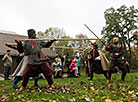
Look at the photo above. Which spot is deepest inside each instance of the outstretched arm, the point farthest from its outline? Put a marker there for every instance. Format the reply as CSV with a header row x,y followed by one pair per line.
x,y
13,47
109,47
48,44
19,46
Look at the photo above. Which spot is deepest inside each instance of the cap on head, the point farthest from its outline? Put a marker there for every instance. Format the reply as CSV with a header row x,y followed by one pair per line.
x,y
8,50
30,32
95,45
77,57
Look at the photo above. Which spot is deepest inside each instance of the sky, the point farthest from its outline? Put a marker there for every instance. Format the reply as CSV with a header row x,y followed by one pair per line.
x,y
71,15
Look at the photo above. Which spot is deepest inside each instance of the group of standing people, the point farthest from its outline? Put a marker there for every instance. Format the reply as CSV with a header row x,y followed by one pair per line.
x,y
34,62
100,64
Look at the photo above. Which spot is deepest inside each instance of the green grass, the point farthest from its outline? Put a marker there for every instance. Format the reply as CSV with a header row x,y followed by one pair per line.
x,y
76,89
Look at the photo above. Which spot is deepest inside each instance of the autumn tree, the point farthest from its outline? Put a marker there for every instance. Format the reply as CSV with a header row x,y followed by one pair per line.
x,y
121,22
52,32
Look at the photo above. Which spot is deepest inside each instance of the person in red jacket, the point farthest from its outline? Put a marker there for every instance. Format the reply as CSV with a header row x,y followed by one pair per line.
x,y
74,66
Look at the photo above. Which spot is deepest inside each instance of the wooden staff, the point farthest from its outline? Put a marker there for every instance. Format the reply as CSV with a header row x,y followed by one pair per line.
x,y
62,39
11,44
57,47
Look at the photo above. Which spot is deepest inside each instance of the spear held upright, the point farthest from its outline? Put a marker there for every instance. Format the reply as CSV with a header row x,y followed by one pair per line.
x,y
99,38
94,34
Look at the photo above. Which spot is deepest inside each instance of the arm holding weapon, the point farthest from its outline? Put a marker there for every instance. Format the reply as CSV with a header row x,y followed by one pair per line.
x,y
99,39
115,54
13,47
19,46
48,44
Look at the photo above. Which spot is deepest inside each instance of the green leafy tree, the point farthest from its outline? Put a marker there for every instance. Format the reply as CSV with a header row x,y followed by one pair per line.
x,y
134,59
52,33
135,39
121,22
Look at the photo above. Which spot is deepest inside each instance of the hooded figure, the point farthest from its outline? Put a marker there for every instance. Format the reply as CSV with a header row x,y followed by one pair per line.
x,y
31,33
36,57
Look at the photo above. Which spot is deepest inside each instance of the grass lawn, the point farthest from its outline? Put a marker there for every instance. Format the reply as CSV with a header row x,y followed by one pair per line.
x,y
75,90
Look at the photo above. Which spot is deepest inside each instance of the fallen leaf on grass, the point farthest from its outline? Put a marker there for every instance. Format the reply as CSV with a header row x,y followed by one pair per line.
x,y
102,87
43,99
54,101
103,97
137,94
133,95
92,88
123,89
50,100
88,88
46,89
123,94
118,101
131,92
63,90
23,100
72,100
62,96
87,99
128,99
4,98
108,100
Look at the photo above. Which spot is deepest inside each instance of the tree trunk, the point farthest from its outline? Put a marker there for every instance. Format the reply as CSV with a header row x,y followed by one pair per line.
x,y
130,53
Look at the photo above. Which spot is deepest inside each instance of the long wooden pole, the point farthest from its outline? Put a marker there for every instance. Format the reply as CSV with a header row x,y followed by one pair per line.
x,y
62,39
11,44
57,47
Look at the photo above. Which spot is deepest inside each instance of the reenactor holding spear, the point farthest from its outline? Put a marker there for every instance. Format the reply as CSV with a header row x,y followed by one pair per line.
x,y
115,59
35,63
116,52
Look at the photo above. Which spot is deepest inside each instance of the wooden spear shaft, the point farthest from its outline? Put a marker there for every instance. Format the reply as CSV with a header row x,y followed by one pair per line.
x,y
57,47
11,44
62,39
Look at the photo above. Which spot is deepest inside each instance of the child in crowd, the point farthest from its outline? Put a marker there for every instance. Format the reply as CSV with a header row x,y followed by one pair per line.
x,y
74,66
57,68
